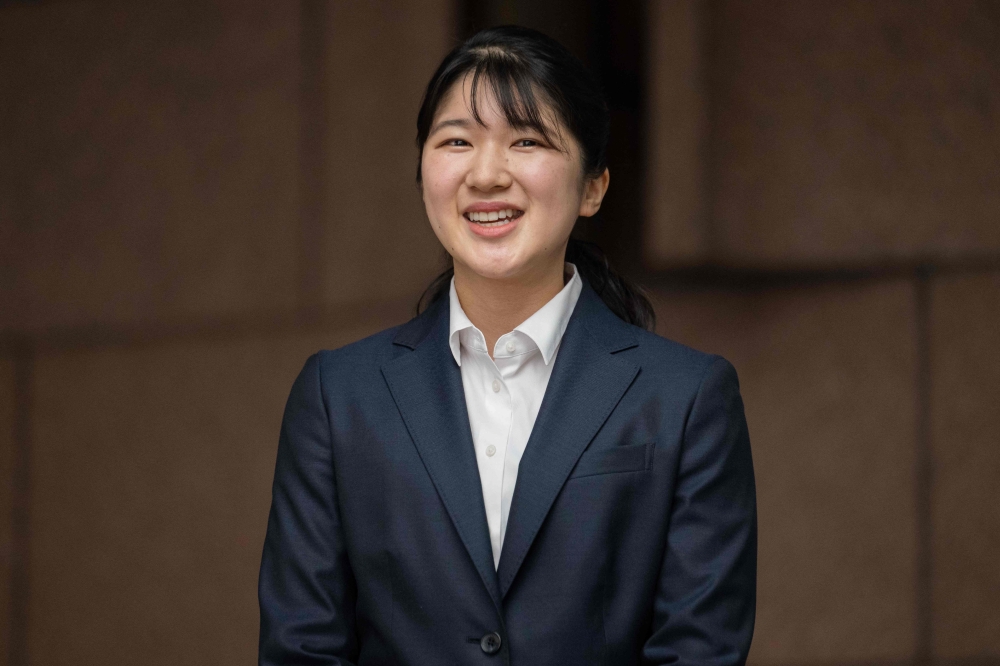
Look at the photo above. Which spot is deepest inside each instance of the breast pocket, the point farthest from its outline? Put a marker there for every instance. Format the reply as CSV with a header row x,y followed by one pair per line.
x,y
627,458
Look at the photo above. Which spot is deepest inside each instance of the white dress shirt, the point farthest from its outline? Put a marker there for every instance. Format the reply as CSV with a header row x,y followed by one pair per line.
x,y
503,393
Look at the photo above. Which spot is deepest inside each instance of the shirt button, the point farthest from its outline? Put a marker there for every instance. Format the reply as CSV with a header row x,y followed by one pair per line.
x,y
491,450
510,347
496,385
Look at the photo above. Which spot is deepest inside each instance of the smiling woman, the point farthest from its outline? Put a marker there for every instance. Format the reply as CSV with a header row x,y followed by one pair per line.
x,y
503,199
539,116
523,473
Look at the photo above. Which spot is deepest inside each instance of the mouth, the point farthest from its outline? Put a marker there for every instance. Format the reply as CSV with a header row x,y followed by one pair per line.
x,y
494,218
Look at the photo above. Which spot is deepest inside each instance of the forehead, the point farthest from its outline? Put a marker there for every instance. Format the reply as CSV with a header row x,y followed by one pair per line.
x,y
457,103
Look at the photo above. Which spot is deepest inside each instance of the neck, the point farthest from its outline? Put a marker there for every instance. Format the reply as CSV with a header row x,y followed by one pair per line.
x,y
496,307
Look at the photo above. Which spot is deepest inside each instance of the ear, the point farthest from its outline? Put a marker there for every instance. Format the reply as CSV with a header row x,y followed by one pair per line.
x,y
593,193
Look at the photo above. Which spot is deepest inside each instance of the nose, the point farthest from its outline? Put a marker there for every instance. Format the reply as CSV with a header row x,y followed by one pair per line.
x,y
488,170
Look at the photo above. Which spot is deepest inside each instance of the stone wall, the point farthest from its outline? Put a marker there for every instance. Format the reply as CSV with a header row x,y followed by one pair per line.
x,y
823,208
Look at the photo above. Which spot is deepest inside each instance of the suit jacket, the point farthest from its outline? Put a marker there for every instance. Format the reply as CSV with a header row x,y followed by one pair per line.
x,y
632,530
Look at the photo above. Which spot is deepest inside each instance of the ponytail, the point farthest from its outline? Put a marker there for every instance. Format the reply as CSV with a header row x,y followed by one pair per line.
x,y
622,296
437,289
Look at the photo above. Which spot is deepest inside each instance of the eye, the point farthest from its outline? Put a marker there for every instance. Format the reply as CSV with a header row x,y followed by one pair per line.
x,y
526,143
455,142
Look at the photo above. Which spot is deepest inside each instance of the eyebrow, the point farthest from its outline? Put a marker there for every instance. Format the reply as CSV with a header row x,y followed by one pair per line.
x,y
452,122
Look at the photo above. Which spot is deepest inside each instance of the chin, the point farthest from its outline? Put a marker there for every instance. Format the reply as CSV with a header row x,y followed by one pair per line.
x,y
494,272
495,268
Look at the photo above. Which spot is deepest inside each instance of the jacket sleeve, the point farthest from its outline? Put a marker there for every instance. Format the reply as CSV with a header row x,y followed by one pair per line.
x,y
705,601
306,589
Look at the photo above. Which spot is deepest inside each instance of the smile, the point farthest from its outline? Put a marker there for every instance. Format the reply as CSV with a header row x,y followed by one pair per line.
x,y
496,218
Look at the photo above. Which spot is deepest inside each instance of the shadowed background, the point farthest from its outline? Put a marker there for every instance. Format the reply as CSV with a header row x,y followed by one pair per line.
x,y
195,196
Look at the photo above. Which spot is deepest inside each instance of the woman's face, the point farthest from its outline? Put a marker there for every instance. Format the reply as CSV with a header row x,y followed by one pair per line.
x,y
502,200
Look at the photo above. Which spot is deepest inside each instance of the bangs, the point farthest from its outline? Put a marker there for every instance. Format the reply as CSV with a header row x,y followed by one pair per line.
x,y
515,89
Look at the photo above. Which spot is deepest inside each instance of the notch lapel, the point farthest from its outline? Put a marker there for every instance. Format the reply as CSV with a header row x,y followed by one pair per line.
x,y
426,385
587,383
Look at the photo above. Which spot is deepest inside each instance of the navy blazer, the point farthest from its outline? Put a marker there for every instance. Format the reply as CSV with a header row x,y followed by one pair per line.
x,y
632,530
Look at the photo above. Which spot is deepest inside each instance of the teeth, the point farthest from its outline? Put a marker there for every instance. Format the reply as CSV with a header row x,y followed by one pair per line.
x,y
494,216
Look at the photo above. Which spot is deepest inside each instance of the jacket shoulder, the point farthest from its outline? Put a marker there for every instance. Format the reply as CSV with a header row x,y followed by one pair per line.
x,y
658,346
658,352
368,353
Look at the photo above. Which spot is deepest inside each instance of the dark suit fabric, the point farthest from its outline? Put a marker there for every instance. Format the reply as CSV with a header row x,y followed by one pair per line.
x,y
632,530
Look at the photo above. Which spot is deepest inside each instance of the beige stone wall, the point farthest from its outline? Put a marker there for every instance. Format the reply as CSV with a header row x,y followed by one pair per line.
x,y
832,171
378,241
965,372
823,134
828,380
677,135
151,487
7,462
853,131
150,162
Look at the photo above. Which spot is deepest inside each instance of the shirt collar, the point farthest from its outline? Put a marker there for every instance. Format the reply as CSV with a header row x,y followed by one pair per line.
x,y
545,327
459,322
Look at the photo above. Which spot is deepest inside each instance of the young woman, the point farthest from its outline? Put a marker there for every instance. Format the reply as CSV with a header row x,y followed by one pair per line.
x,y
522,474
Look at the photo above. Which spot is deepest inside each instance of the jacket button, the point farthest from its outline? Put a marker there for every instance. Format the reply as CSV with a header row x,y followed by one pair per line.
x,y
490,643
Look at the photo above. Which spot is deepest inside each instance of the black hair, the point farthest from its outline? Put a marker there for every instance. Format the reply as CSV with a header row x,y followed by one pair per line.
x,y
519,65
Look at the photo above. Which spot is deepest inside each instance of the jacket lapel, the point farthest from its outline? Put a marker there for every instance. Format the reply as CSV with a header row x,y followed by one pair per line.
x,y
587,383
426,385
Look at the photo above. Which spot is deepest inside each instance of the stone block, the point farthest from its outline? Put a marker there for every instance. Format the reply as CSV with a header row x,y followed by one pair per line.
x,y
152,473
827,375
675,230
378,242
6,501
150,161
852,132
965,426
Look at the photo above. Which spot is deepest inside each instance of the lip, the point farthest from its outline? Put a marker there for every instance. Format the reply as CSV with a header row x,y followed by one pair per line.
x,y
490,207
493,232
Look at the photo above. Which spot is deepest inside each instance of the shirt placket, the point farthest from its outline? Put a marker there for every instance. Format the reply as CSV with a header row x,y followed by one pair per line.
x,y
493,447
507,361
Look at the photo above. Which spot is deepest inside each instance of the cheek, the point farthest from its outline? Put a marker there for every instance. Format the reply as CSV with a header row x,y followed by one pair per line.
x,y
441,181
554,187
